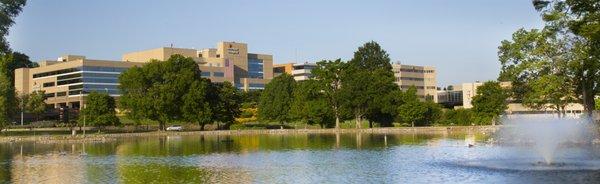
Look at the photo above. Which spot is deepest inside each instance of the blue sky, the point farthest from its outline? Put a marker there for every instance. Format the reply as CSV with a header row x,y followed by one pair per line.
x,y
459,37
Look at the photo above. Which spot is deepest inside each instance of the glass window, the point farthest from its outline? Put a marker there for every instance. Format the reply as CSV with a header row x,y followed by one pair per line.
x,y
61,94
219,74
48,84
205,74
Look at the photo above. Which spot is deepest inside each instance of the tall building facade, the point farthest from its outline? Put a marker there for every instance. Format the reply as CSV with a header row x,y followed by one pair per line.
x,y
300,71
421,77
230,61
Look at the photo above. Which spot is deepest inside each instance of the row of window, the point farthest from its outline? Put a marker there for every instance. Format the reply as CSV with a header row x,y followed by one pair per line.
x,y
418,87
409,78
84,68
215,74
414,70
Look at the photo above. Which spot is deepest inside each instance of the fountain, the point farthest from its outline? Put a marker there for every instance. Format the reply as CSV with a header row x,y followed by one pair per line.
x,y
542,142
546,136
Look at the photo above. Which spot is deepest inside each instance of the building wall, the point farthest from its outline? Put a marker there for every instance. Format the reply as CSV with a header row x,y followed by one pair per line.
x,y
279,69
303,71
243,65
422,77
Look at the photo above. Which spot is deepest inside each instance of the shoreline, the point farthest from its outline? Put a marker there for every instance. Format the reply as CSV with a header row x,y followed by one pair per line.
x,y
94,137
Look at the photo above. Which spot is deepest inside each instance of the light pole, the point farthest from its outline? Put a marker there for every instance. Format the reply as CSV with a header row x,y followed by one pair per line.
x,y
22,109
81,108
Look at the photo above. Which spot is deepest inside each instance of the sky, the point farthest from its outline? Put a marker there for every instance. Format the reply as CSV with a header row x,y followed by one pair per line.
x,y
458,37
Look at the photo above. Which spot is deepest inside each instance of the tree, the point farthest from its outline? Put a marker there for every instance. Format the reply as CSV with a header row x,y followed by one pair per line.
x,y
7,93
537,64
489,101
227,102
276,99
411,110
197,107
155,91
99,110
368,78
9,9
35,103
577,22
328,75
309,104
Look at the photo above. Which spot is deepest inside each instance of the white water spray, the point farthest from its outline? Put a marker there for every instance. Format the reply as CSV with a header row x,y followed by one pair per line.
x,y
546,135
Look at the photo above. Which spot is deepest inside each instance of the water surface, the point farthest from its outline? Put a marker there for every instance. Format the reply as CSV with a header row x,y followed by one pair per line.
x,y
295,158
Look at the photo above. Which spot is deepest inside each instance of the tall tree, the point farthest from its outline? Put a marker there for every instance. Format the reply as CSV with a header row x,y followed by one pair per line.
x,y
155,91
309,104
226,100
328,75
579,21
367,78
196,104
412,110
36,104
489,101
99,110
9,9
276,99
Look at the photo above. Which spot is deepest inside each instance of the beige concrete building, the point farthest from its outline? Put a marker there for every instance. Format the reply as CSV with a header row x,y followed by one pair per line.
x,y
230,61
68,78
422,77
461,96
279,69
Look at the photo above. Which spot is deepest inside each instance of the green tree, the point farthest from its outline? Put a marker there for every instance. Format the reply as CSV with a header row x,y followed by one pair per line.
x,y
309,104
489,102
328,75
412,110
227,100
99,110
276,99
577,22
197,106
36,104
368,78
537,64
9,9
155,91
6,100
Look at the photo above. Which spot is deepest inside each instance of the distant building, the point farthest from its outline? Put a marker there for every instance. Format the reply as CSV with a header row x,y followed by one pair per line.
x,y
422,77
303,71
279,69
461,96
67,80
230,61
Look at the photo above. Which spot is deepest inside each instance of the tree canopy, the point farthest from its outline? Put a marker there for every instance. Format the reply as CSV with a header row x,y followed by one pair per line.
x,y
276,99
490,101
99,110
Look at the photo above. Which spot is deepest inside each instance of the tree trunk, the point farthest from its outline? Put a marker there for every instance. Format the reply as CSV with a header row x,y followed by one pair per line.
x,y
337,122
202,127
412,123
588,102
358,121
161,126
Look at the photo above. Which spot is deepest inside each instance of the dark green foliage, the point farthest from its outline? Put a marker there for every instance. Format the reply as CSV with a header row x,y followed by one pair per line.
x,y
458,117
99,110
197,106
490,101
310,106
276,99
226,103
35,103
9,9
155,91
366,82
328,75
251,98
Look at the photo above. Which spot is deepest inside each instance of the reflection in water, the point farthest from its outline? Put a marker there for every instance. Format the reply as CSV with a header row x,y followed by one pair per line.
x,y
296,158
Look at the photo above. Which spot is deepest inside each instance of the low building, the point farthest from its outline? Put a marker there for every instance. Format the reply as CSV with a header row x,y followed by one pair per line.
x,y
279,69
421,77
66,80
303,71
461,96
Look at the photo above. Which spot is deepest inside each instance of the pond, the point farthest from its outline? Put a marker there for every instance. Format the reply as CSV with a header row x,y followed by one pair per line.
x,y
291,158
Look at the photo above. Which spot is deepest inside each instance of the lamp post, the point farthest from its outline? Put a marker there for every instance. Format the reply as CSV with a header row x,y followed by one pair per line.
x,y
81,108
